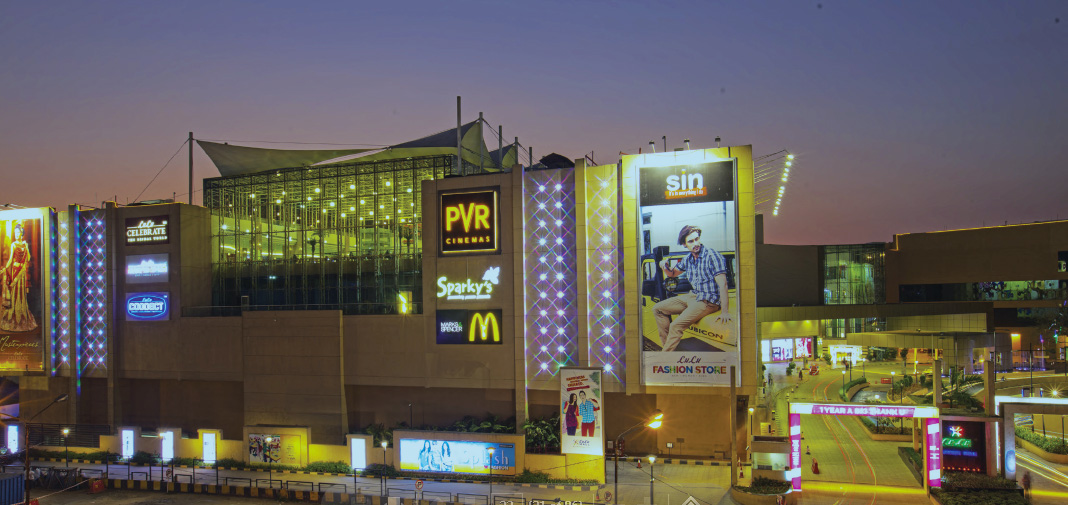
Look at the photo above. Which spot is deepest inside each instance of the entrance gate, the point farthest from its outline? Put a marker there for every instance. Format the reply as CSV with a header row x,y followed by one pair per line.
x,y
932,431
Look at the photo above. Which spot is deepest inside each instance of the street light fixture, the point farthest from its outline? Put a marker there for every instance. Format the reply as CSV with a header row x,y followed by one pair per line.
x,y
749,450
654,421
26,428
652,461
384,445
66,448
490,450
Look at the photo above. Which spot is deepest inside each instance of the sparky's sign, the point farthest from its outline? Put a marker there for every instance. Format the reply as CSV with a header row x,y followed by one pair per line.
x,y
469,222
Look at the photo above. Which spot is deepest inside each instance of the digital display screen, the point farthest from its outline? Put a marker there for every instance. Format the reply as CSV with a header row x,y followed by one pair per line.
x,y
456,456
469,222
146,268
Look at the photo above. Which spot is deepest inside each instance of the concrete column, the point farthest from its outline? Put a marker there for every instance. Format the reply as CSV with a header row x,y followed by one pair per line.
x,y
989,389
937,380
968,358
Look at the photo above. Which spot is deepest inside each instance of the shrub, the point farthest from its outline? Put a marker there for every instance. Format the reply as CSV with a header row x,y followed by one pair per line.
x,y
915,457
844,389
379,470
1050,445
988,497
329,467
969,480
185,462
230,463
764,485
143,458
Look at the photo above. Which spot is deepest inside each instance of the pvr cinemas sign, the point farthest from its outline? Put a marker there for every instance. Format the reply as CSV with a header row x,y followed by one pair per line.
x,y
469,222
469,326
147,230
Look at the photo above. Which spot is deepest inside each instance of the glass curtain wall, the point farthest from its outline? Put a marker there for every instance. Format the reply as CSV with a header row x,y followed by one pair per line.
x,y
345,236
854,274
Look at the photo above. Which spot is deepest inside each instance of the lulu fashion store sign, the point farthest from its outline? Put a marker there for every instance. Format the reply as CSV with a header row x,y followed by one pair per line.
x,y
148,230
468,222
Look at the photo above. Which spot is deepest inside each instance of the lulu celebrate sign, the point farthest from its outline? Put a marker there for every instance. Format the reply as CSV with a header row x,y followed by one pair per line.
x,y
581,426
688,242
21,293
469,222
147,230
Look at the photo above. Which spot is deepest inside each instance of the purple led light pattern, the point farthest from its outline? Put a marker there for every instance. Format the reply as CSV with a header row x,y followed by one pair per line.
x,y
91,336
603,273
61,296
549,257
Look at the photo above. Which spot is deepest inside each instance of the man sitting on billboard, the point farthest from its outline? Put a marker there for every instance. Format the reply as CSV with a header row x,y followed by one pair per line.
x,y
706,270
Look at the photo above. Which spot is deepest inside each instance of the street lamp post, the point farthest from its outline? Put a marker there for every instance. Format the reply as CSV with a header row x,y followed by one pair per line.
x,y
26,457
749,450
66,448
384,445
411,417
652,461
270,461
843,378
654,421
893,389
490,450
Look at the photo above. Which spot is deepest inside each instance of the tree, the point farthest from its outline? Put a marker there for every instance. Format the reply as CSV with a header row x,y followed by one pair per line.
x,y
904,353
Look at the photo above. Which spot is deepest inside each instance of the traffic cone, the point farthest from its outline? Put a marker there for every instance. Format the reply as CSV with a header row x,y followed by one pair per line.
x,y
597,497
815,466
639,463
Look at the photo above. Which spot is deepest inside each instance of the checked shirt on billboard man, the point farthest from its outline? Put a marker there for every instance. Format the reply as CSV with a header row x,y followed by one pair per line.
x,y
689,309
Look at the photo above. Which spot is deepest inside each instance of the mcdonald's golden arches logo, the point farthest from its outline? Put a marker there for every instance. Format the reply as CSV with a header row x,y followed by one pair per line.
x,y
484,326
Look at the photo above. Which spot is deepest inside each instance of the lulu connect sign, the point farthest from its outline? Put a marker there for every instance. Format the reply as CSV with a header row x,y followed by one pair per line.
x,y
468,222
469,327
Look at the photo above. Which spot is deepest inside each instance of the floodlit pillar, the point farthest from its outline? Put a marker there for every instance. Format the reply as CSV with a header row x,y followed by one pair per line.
x,y
937,381
989,388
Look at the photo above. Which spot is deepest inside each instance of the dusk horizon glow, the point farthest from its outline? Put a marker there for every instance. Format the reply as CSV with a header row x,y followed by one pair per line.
x,y
905,117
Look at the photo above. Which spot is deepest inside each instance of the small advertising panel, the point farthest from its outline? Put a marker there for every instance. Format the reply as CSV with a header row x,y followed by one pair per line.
x,y
21,293
688,241
469,222
1062,261
469,327
804,347
12,438
209,442
964,446
280,449
357,453
166,445
148,230
147,268
581,429
155,306
934,452
456,456
127,441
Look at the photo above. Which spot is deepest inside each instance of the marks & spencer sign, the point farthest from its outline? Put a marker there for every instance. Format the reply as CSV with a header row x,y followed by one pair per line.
x,y
147,230
468,222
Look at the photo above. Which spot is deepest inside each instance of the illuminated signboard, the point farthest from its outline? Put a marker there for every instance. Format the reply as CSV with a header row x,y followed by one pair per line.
x,y
127,444
167,445
209,444
357,453
468,289
964,446
469,326
147,230
24,251
1062,261
687,246
148,306
469,222
12,438
456,456
146,268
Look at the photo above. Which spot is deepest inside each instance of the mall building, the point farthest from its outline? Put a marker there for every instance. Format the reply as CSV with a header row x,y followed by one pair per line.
x,y
427,282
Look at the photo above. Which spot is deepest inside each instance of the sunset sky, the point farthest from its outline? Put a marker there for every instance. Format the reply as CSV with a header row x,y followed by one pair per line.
x,y
904,116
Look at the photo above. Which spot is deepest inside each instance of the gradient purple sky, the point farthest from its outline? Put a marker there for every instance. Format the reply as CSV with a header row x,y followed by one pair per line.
x,y
904,116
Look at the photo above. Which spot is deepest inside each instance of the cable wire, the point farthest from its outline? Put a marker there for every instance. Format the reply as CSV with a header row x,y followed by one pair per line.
x,y
161,170
289,142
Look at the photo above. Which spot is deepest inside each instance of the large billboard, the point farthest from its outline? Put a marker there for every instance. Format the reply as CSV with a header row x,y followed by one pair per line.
x,y
21,291
456,456
688,240
581,414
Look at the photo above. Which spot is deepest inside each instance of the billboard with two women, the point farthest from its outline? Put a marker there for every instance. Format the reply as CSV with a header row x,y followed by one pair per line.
x,y
456,456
